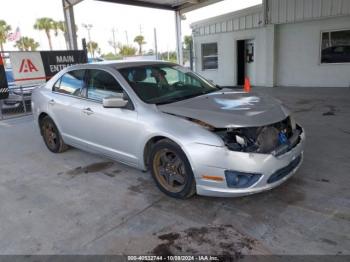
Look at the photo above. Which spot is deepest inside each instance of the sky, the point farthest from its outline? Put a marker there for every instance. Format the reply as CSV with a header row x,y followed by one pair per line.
x,y
127,21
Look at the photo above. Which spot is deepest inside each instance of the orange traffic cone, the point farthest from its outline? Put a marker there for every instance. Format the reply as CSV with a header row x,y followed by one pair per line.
x,y
246,84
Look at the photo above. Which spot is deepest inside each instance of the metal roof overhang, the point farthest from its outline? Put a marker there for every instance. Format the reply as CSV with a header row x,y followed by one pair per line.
x,y
178,6
174,5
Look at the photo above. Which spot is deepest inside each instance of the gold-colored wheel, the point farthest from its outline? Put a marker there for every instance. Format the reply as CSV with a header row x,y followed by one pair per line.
x,y
169,170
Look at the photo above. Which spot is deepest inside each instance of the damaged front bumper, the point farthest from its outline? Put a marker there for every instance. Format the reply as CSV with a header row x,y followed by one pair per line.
x,y
273,169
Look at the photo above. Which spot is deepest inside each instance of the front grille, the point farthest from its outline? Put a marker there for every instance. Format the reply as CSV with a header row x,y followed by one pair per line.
x,y
281,173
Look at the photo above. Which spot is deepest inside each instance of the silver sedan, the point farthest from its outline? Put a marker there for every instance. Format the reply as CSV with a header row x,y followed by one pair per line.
x,y
193,136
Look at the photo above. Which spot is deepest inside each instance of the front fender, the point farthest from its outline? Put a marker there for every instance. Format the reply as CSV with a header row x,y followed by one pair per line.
x,y
183,132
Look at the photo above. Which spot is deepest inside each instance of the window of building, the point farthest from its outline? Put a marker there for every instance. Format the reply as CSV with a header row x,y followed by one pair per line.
x,y
210,56
71,83
101,84
335,47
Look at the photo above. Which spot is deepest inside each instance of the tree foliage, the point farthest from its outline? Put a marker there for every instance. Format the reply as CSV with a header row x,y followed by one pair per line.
x,y
26,44
168,56
4,31
111,56
140,40
92,48
45,24
127,50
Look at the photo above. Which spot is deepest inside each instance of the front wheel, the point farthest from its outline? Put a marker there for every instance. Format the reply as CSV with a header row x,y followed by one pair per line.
x,y
171,170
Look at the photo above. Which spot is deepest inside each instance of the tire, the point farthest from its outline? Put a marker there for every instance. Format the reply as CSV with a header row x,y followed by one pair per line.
x,y
52,137
171,170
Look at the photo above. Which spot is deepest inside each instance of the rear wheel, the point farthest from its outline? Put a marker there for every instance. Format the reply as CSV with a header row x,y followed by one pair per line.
x,y
52,136
171,170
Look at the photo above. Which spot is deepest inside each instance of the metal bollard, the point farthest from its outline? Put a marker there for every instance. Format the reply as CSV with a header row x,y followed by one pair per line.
x,y
23,101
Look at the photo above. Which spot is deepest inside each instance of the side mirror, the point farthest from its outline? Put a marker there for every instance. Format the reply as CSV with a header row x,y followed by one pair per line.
x,y
114,102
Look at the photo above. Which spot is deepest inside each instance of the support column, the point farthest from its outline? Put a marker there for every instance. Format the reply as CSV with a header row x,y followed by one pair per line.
x,y
271,53
178,38
70,25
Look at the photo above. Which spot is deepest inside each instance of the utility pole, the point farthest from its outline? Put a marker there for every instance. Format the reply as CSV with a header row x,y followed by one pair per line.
x,y
155,43
167,47
114,42
88,27
127,38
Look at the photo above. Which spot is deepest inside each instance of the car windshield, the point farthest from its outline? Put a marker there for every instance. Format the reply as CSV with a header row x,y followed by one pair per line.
x,y
164,84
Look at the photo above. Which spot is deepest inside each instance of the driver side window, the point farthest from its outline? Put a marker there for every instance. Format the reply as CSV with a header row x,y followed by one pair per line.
x,y
101,84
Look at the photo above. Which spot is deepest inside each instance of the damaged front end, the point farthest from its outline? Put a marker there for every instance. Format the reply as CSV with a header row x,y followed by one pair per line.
x,y
275,139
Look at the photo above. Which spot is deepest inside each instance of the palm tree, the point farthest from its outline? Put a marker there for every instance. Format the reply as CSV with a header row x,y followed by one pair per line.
x,y
140,40
46,24
4,30
61,26
26,44
92,48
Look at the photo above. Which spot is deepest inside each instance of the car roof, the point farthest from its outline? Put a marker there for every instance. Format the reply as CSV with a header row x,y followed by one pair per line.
x,y
119,64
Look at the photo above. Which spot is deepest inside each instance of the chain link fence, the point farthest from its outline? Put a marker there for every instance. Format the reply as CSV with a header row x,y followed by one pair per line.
x,y
19,101
17,104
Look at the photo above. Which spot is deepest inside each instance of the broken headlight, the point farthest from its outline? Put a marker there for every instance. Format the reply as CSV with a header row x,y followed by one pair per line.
x,y
292,122
262,139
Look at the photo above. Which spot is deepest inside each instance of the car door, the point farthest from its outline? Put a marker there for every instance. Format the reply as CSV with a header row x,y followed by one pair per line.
x,y
110,131
64,108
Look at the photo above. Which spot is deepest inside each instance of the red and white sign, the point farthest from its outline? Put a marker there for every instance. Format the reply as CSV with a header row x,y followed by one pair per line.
x,y
27,68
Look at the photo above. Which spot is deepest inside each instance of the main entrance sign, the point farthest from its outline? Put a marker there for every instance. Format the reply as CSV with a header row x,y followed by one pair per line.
x,y
30,68
55,61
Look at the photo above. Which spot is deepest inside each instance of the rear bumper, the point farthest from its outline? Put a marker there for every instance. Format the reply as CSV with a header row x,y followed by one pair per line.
x,y
213,161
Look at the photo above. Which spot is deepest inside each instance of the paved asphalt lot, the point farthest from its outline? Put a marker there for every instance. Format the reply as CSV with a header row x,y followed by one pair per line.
x,y
79,203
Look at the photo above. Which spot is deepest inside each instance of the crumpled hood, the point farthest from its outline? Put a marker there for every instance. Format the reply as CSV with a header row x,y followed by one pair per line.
x,y
228,108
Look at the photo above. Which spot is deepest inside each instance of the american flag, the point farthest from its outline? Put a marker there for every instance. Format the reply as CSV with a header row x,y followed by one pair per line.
x,y
15,36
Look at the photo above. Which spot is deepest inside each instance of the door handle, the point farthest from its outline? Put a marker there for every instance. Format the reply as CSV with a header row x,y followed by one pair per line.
x,y
52,102
88,111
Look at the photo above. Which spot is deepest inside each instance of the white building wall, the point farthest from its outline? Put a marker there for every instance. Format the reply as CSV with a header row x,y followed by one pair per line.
x,y
287,49
298,55
226,74
225,30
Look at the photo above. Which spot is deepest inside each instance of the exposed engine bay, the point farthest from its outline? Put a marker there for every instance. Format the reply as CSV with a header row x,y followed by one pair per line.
x,y
276,138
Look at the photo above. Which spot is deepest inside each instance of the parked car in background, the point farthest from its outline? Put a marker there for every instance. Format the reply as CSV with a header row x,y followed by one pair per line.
x,y
95,59
17,94
192,135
